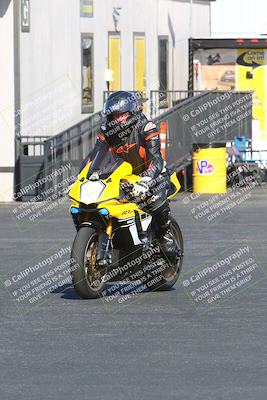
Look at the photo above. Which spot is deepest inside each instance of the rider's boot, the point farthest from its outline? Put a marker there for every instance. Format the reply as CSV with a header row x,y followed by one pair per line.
x,y
165,236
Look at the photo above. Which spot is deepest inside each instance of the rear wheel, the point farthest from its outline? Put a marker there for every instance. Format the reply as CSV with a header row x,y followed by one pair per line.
x,y
88,279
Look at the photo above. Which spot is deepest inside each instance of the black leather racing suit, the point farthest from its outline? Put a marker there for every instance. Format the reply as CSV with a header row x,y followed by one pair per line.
x,y
141,148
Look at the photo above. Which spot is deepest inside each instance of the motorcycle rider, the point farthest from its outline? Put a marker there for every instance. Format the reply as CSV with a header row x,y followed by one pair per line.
x,y
128,134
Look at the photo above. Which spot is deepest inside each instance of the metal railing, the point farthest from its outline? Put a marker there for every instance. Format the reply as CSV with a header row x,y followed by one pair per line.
x,y
181,136
32,145
71,146
161,101
141,96
30,167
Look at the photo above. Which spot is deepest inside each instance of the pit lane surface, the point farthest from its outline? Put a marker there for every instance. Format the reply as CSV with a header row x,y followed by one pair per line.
x,y
159,346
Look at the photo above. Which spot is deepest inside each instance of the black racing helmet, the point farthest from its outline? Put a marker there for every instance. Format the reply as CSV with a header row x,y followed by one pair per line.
x,y
121,102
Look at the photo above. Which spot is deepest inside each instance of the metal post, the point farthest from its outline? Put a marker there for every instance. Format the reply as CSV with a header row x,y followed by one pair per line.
x,y
191,19
191,68
17,118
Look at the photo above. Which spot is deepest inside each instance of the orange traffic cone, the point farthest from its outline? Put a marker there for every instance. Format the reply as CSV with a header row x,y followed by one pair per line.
x,y
163,138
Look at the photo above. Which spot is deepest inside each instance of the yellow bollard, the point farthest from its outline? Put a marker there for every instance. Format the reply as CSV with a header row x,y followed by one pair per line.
x,y
209,168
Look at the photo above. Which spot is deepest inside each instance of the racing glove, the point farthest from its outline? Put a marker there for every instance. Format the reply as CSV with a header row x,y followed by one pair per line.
x,y
142,187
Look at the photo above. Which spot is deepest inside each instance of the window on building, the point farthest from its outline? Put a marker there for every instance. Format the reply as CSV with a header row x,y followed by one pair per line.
x,y
163,70
114,61
87,8
87,73
139,62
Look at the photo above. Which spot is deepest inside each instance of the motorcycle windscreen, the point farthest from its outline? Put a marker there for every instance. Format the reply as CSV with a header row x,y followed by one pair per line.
x,y
104,164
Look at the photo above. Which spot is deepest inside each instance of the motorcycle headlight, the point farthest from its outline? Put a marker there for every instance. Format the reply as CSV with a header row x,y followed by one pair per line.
x,y
91,191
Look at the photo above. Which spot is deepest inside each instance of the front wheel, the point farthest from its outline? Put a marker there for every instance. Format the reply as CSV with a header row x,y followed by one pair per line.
x,y
88,279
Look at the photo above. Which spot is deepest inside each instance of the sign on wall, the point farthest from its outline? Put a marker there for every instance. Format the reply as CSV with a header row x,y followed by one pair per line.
x,y
87,8
25,15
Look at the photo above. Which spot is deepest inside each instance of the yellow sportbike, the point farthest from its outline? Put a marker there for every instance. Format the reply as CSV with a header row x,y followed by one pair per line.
x,y
116,240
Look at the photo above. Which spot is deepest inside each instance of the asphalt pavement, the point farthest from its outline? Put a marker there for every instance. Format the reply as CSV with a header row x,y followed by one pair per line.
x,y
154,346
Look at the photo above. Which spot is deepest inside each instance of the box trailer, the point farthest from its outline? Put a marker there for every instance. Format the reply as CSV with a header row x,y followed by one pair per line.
x,y
237,65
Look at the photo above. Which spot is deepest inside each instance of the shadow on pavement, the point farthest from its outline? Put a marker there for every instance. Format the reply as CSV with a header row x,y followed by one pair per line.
x,y
68,292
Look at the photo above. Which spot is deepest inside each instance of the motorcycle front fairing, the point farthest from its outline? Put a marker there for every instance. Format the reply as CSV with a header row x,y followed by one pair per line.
x,y
99,184
100,180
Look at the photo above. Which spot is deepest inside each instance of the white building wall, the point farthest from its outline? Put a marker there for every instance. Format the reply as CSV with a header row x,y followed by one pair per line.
x,y
6,100
50,67
51,54
136,16
50,59
180,16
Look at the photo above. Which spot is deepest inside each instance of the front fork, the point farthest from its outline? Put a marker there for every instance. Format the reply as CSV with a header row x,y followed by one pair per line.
x,y
104,246
104,240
